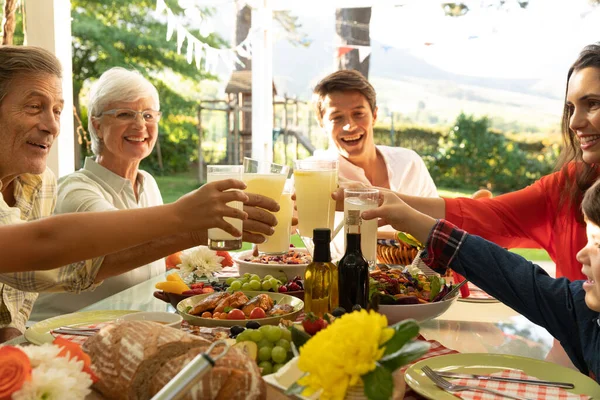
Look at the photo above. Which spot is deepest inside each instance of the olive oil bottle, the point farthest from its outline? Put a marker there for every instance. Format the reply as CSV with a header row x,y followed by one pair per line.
x,y
320,277
353,269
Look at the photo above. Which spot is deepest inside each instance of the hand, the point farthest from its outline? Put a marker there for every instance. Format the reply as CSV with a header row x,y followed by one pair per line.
x,y
9,333
401,217
205,208
338,195
260,222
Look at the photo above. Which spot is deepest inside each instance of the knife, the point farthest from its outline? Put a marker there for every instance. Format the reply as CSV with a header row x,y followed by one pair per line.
x,y
501,379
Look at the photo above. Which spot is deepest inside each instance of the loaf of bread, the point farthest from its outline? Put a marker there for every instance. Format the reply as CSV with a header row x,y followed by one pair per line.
x,y
128,356
234,377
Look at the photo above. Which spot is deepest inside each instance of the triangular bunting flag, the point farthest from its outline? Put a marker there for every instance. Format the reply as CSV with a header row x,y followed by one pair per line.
x,y
160,6
343,50
363,52
190,49
170,24
181,34
198,48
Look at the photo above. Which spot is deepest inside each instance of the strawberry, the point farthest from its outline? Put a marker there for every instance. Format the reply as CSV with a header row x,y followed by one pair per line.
x,y
313,324
227,261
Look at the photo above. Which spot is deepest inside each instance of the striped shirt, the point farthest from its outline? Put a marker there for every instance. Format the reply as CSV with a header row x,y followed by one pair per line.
x,y
35,197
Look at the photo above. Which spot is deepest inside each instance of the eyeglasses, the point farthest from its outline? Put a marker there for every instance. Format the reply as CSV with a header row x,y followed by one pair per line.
x,y
128,115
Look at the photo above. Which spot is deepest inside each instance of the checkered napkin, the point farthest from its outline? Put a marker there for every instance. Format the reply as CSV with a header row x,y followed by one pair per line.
x,y
515,389
436,349
475,293
79,339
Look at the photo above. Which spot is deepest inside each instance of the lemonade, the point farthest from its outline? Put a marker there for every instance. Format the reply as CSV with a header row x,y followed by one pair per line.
x,y
279,242
316,208
218,239
268,185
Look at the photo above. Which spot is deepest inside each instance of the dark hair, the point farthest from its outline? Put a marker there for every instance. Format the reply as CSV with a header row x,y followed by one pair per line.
x,y
343,81
591,203
16,60
585,174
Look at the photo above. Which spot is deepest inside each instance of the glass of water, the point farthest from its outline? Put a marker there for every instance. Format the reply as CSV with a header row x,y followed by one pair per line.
x,y
218,239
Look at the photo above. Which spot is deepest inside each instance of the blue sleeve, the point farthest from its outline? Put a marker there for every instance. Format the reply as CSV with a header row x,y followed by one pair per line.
x,y
555,304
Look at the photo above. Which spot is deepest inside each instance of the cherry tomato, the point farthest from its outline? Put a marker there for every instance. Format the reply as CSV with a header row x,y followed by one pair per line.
x,y
236,314
257,313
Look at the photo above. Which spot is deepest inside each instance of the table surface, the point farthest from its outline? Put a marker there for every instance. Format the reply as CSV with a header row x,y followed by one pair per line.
x,y
465,327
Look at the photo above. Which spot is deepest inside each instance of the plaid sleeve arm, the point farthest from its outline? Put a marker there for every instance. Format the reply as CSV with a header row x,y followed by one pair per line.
x,y
442,245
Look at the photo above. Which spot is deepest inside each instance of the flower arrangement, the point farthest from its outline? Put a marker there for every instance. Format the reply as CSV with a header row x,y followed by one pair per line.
x,y
357,349
60,370
199,262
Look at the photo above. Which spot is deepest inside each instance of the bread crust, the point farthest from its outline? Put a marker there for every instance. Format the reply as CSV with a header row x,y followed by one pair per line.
x,y
128,358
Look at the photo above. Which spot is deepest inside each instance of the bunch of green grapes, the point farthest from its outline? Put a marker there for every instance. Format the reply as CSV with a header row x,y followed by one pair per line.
x,y
254,282
274,346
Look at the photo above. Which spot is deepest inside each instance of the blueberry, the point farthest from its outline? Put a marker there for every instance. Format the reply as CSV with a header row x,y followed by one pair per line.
x,y
338,312
236,330
252,325
356,307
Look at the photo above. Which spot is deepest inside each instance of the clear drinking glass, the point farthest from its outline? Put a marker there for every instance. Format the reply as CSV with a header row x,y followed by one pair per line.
x,y
279,241
364,199
218,239
315,180
265,178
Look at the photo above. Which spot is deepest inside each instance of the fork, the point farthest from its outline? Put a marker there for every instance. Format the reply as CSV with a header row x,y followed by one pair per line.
x,y
450,387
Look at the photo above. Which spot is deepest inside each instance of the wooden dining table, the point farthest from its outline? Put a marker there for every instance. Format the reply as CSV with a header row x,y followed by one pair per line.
x,y
467,327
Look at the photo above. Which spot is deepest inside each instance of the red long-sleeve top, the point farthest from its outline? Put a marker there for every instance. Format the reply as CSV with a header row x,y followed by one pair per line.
x,y
533,217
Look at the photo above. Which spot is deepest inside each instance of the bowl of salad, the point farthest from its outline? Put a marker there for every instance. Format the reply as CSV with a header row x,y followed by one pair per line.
x,y
403,293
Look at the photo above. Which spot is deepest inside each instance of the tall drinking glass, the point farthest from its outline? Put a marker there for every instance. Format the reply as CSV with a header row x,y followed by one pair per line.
x,y
315,180
363,199
279,242
218,239
265,178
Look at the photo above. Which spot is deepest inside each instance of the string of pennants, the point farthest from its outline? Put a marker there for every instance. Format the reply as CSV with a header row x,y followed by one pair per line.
x,y
199,52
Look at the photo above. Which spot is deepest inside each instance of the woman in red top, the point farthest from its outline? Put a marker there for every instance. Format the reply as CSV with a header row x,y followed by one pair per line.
x,y
546,214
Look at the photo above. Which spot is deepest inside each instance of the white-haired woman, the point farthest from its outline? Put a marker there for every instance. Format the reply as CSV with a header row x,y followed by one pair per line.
x,y
123,110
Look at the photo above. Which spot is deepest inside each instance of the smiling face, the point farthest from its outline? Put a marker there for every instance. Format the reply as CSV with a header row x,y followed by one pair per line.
x,y
126,143
583,101
348,119
29,123
589,257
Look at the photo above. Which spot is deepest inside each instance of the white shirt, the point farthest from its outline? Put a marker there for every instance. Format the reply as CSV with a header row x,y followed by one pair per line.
x,y
407,174
95,188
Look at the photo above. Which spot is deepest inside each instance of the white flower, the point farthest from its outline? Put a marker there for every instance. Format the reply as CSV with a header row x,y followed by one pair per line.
x,y
54,378
200,261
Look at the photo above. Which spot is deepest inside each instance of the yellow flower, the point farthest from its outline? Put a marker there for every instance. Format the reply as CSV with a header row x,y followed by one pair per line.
x,y
336,357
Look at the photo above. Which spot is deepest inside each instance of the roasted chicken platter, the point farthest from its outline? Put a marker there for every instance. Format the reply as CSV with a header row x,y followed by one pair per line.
x,y
223,304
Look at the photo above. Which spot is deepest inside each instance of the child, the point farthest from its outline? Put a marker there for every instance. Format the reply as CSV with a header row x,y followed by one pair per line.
x,y
568,310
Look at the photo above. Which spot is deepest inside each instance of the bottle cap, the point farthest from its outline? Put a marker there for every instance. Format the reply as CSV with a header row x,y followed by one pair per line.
x,y
322,235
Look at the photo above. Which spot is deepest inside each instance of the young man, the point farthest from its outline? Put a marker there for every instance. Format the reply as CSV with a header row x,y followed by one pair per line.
x,y
31,103
345,104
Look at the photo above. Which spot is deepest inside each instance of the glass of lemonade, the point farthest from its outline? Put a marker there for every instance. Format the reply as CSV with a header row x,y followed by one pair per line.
x,y
265,178
279,242
315,180
218,239
364,199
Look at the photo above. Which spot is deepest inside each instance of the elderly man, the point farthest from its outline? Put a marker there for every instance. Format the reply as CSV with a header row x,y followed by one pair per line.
x,y
30,106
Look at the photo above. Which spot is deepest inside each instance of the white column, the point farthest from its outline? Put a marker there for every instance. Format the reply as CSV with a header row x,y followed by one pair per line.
x,y
262,82
48,24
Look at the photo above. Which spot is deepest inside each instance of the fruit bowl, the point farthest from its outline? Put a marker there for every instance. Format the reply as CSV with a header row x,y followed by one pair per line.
x,y
420,312
242,259
278,298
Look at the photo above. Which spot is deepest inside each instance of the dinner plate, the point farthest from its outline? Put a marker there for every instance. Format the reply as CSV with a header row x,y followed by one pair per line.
x,y
480,363
278,298
39,333
261,269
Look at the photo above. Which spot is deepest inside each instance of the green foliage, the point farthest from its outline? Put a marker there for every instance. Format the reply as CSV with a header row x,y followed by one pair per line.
x,y
471,155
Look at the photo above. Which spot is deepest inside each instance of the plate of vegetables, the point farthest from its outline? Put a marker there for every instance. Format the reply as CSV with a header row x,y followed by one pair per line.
x,y
399,294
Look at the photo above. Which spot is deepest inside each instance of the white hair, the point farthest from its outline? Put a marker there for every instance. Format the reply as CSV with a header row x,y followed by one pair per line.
x,y
116,84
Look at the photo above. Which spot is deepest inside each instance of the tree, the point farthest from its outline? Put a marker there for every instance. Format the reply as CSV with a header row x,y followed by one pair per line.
x,y
353,28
